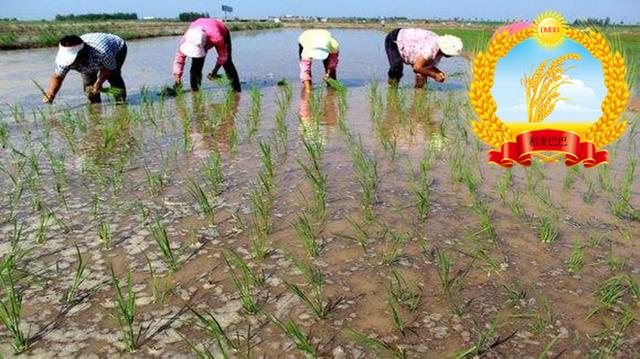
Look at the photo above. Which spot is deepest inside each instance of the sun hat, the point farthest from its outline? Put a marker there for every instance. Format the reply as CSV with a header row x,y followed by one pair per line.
x,y
194,41
319,50
450,45
67,54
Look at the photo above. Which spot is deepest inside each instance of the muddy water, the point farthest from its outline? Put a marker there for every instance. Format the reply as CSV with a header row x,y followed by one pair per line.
x,y
509,294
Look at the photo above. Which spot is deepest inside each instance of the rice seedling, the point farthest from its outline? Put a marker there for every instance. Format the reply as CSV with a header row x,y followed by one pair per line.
x,y
486,224
377,345
244,280
199,196
261,214
125,302
541,317
254,112
282,131
514,293
11,307
614,263
361,235
311,274
200,351
314,301
604,176
155,181
421,187
391,251
307,236
209,322
404,293
78,278
46,216
610,291
367,171
548,231
503,185
445,272
267,175
516,206
161,287
576,261
621,206
315,176
213,173
398,321
300,339
570,177
589,195
485,340
159,234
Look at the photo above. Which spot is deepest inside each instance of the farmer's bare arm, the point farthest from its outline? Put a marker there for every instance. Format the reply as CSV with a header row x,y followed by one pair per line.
x,y
103,75
54,87
421,67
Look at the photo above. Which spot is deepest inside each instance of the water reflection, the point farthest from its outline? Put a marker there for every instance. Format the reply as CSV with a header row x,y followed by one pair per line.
x,y
318,113
209,125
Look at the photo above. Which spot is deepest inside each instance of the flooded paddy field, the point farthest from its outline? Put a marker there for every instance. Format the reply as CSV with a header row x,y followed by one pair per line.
x,y
352,222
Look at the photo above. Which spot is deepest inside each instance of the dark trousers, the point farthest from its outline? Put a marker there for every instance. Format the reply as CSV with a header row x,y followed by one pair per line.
x,y
325,62
393,54
229,68
115,79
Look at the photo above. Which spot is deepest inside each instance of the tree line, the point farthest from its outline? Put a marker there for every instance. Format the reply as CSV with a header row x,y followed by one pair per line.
x,y
100,16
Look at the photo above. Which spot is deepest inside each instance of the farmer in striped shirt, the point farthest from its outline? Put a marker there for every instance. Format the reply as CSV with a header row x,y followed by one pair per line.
x,y
422,49
98,57
201,36
317,44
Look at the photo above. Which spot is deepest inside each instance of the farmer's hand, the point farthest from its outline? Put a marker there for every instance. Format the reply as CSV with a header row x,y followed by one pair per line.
x,y
92,90
47,98
440,77
177,81
213,76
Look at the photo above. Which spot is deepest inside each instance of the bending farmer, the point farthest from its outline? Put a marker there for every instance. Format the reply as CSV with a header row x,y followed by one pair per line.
x,y
317,45
98,57
201,36
422,49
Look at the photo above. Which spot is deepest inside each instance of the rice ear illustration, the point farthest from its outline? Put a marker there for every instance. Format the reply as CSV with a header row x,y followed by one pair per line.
x,y
541,87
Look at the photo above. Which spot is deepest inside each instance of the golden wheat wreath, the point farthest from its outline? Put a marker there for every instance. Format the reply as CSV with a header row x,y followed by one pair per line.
x,y
494,132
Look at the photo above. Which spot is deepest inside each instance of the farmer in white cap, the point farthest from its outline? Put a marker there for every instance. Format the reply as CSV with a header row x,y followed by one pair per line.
x,y
98,57
201,36
422,49
317,45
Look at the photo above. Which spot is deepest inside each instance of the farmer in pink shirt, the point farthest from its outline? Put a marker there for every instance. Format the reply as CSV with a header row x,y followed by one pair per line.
x,y
422,49
317,45
201,36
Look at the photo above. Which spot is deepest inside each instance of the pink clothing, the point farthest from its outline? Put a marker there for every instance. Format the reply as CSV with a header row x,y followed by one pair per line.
x,y
414,43
512,28
216,32
305,66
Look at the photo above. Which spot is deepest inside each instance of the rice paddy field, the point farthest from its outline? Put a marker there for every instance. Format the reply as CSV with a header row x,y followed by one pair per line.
x,y
355,221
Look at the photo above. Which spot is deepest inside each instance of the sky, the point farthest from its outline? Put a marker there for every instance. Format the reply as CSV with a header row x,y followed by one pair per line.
x,y
585,91
618,10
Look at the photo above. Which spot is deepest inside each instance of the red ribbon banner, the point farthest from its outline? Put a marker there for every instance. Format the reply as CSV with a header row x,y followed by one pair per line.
x,y
548,140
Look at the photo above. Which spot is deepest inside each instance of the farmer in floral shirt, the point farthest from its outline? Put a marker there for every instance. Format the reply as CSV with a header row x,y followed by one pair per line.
x,y
422,49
